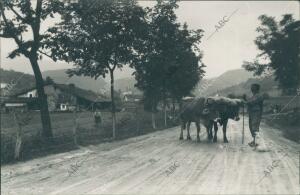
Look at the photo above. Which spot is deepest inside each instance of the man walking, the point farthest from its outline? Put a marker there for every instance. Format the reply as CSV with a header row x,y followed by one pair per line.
x,y
255,109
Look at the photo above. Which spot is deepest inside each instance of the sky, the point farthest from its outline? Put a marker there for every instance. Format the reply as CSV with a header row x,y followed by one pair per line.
x,y
224,50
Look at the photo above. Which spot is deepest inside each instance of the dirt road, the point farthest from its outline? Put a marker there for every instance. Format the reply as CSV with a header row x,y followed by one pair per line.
x,y
159,163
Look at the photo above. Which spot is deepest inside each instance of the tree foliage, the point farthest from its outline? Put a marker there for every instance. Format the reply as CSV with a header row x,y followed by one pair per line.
x,y
188,69
99,36
280,46
19,20
170,64
19,17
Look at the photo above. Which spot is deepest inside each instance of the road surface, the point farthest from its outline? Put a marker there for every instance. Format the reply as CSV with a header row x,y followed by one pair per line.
x,y
160,163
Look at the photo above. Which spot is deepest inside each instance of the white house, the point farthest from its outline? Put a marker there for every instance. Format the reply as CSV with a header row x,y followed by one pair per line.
x,y
29,94
3,85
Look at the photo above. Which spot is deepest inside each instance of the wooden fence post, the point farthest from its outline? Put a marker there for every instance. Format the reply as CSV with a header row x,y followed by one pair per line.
x,y
75,124
137,121
18,147
243,130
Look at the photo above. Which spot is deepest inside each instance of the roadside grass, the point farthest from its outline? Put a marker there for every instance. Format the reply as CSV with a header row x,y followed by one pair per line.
x,y
288,122
129,124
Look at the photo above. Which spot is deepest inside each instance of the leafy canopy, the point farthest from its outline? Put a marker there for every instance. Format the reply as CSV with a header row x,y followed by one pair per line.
x,y
280,46
98,36
21,18
169,64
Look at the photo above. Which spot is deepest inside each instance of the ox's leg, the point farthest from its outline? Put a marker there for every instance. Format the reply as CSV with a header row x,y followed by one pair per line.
x,y
215,125
198,131
188,131
224,131
208,131
183,123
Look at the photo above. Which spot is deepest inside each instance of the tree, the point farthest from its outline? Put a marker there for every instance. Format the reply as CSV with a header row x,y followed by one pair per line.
x,y
169,66
188,71
99,37
152,66
19,17
280,46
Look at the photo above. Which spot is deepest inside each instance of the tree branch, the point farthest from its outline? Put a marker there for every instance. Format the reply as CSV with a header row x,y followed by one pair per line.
x,y
36,25
112,68
45,54
8,25
16,13
12,35
5,36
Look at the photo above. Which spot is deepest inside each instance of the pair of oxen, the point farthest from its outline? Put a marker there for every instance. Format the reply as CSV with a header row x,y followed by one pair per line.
x,y
209,111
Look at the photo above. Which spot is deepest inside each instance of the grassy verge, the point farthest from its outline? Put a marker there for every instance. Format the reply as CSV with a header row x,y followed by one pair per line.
x,y
129,124
288,122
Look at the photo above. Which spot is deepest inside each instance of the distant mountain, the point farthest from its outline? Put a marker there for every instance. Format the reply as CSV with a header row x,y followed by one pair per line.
x,y
268,85
17,81
60,76
126,84
207,87
123,80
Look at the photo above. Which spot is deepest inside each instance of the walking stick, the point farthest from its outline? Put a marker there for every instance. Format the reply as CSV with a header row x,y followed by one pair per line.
x,y
243,132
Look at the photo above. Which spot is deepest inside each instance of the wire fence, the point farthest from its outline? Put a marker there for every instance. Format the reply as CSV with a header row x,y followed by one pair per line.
x,y
70,130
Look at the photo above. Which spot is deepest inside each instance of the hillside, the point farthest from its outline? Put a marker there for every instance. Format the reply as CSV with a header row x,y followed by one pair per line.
x,y
268,85
126,84
18,80
60,76
230,78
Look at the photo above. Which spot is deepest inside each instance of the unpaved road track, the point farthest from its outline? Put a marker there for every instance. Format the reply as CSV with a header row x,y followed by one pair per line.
x,y
139,166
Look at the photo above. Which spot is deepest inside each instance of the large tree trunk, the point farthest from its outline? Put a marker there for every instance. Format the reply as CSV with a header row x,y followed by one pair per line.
x,y
113,106
42,99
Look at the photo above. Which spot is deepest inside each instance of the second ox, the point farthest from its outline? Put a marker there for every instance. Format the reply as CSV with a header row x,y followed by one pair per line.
x,y
209,111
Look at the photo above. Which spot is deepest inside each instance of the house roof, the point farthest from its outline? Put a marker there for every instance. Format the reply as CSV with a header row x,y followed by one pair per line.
x,y
82,93
26,90
134,96
76,91
17,100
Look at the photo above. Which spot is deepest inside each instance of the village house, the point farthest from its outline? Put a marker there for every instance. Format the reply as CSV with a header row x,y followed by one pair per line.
x,y
61,97
3,85
131,101
132,97
22,104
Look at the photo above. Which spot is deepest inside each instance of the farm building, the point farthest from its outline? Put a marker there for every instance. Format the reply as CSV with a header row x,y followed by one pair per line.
x,y
22,104
132,97
62,97
3,85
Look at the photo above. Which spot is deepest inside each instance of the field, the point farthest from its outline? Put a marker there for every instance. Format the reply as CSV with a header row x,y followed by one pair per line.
x,y
129,124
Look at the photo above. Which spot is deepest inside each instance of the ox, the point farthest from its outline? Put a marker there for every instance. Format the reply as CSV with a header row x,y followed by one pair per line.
x,y
194,111
227,108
